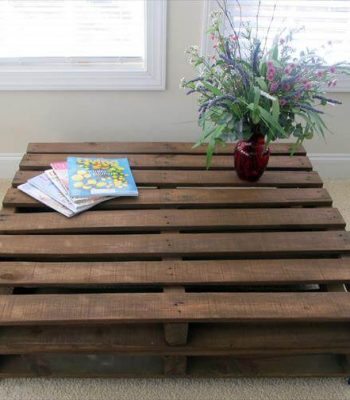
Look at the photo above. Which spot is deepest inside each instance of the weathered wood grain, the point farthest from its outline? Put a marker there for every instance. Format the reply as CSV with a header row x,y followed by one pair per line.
x,y
264,245
206,339
174,178
197,198
170,273
169,161
184,220
145,148
110,308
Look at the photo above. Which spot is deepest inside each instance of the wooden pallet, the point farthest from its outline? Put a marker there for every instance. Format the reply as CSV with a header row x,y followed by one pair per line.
x,y
201,275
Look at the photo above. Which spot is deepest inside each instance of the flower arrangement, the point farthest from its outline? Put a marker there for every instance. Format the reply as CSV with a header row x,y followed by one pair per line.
x,y
249,88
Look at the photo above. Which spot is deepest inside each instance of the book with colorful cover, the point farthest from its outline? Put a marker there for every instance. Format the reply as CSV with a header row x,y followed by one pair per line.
x,y
37,194
90,177
60,170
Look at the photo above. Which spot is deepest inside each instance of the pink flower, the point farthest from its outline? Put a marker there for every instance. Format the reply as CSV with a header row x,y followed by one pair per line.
x,y
320,74
286,87
233,38
307,85
273,87
283,102
271,71
271,75
288,70
332,69
216,45
212,36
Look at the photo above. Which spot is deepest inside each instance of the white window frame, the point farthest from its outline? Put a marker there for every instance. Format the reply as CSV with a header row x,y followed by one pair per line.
x,y
343,84
77,75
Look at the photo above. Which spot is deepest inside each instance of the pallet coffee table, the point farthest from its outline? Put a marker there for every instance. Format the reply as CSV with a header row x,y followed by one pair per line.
x,y
201,275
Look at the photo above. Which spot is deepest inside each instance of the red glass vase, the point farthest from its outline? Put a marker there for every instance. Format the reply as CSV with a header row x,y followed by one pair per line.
x,y
251,158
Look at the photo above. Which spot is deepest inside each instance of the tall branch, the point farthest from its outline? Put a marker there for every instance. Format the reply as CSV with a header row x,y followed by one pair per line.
x,y
224,9
270,24
257,20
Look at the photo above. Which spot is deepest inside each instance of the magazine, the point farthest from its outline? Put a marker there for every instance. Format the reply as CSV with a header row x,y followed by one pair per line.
x,y
89,177
46,186
45,199
60,170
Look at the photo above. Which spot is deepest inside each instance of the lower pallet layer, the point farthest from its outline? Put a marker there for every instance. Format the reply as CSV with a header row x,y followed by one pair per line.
x,y
109,365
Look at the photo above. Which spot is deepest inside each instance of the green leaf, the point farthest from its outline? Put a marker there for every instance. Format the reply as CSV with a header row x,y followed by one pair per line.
x,y
213,89
256,95
276,109
275,52
271,121
262,83
210,152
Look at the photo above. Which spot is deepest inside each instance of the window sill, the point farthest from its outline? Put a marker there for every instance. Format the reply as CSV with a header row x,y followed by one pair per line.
x,y
23,78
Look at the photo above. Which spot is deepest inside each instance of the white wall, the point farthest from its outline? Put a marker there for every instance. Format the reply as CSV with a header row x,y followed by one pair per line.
x,y
169,115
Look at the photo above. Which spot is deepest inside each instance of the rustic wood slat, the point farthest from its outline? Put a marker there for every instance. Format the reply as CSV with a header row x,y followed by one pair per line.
x,y
155,220
158,307
264,245
173,178
145,148
109,365
197,198
205,339
169,161
169,273
276,366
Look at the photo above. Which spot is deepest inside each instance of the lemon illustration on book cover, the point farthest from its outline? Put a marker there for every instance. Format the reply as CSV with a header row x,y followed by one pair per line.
x,y
90,177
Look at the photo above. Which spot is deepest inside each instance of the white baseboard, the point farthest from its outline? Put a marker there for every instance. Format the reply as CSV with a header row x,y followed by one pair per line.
x,y
329,165
9,164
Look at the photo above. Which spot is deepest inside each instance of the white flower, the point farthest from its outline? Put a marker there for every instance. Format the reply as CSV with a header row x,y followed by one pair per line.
x,y
182,82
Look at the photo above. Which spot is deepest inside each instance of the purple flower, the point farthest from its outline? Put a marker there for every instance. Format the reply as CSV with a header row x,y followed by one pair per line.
x,y
332,69
307,85
320,74
273,87
283,102
271,71
271,76
289,68
286,87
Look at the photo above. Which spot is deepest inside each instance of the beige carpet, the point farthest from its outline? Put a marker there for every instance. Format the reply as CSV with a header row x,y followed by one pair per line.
x,y
183,389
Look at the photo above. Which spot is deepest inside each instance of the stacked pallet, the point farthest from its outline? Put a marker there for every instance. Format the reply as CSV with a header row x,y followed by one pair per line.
x,y
201,275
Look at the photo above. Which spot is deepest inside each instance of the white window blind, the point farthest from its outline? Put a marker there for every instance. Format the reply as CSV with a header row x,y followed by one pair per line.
x,y
326,23
72,28
82,44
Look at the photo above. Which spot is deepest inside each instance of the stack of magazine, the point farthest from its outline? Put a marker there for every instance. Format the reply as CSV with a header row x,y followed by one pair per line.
x,y
77,184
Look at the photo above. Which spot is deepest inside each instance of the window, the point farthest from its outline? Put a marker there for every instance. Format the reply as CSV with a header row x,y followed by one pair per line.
x,y
323,24
82,44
